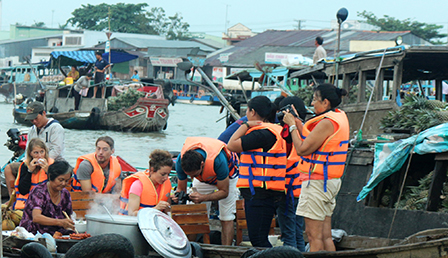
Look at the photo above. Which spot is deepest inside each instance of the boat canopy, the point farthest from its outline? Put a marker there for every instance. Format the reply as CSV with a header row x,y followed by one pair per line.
x,y
83,57
249,74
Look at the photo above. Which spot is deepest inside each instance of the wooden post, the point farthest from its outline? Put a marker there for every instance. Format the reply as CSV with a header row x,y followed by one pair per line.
x,y
379,85
346,86
398,75
438,178
439,91
362,86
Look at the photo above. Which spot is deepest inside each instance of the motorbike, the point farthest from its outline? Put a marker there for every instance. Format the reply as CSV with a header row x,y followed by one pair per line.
x,y
17,144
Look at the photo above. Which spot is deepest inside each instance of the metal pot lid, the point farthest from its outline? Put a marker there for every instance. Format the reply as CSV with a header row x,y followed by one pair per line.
x,y
163,234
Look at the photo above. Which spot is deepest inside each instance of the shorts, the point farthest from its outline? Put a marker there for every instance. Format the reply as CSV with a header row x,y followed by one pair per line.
x,y
316,204
227,206
99,78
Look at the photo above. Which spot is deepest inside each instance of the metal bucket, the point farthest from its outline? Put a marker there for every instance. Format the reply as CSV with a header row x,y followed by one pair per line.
x,y
123,225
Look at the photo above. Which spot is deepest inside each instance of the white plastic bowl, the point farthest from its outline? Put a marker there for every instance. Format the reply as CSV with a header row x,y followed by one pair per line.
x,y
81,227
273,239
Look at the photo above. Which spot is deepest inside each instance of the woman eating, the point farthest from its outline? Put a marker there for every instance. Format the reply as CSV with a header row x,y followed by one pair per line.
x,y
32,171
150,188
322,145
48,201
262,167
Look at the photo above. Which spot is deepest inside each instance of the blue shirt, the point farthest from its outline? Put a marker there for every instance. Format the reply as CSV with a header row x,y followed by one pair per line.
x,y
100,64
221,166
225,136
135,76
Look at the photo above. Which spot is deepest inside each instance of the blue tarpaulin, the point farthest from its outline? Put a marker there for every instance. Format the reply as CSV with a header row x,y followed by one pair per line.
x,y
390,157
80,56
83,57
119,57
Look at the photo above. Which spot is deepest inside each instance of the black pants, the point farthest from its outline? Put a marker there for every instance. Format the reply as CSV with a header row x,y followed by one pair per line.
x,y
77,97
259,214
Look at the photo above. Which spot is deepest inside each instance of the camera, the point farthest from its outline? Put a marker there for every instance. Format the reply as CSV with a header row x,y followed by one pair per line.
x,y
183,197
286,108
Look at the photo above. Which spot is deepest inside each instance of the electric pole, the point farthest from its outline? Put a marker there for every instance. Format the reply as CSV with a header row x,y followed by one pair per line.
x,y
299,24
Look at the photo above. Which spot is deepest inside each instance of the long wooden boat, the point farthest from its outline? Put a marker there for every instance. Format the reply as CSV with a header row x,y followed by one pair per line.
x,y
196,100
148,114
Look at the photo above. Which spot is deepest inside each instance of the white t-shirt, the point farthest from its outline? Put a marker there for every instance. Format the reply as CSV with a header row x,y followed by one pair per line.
x,y
319,54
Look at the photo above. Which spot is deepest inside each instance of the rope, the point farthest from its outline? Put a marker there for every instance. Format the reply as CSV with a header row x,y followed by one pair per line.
x,y
402,185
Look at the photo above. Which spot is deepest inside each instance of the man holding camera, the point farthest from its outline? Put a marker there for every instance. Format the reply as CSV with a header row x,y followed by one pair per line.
x,y
215,174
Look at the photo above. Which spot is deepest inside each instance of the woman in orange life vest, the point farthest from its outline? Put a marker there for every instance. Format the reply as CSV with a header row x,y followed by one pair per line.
x,y
150,188
322,143
32,171
262,167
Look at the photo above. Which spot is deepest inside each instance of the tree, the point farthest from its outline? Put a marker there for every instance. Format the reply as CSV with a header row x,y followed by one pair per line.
x,y
428,32
130,18
38,24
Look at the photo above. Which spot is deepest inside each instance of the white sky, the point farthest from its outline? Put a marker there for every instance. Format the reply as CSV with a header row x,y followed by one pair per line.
x,y
259,15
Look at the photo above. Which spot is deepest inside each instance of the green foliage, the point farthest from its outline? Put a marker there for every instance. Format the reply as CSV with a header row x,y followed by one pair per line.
x,y
129,18
124,100
429,32
38,24
417,113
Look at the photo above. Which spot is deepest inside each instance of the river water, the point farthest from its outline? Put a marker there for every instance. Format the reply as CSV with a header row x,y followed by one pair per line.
x,y
184,121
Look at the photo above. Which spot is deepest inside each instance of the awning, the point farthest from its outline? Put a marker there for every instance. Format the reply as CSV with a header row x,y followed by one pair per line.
x,y
83,57
119,57
69,58
80,56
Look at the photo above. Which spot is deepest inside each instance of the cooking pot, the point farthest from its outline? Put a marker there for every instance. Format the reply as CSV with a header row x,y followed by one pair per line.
x,y
151,226
123,225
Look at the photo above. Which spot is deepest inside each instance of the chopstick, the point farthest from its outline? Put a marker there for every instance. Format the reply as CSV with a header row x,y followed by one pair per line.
x,y
66,215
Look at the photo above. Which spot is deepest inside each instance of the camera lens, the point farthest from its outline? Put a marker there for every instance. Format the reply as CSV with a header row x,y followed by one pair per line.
x,y
280,116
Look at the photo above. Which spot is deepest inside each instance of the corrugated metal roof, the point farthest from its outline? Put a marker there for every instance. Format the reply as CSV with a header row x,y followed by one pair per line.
x,y
145,43
299,42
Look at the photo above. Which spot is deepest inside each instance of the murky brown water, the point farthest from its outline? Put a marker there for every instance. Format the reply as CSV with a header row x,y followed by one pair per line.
x,y
185,120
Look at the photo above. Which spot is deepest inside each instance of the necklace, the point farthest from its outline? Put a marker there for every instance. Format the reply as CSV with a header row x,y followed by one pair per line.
x,y
54,198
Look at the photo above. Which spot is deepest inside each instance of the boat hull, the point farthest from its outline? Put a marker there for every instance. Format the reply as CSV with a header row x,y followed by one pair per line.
x,y
147,115
26,89
204,100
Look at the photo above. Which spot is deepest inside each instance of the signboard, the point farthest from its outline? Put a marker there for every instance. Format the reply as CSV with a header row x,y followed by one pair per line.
x,y
218,74
165,61
107,50
236,70
224,58
286,59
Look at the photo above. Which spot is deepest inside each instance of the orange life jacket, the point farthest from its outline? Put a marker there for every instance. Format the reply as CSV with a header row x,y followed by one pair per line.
x,y
264,169
97,177
212,148
329,159
37,178
293,184
149,197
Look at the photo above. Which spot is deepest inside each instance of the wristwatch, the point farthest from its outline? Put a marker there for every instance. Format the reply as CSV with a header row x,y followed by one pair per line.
x,y
292,128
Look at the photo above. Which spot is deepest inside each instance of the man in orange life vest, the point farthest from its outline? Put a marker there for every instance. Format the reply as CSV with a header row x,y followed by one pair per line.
x,y
99,171
215,174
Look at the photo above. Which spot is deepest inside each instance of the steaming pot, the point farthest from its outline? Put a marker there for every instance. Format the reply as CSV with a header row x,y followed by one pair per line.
x,y
123,225
151,226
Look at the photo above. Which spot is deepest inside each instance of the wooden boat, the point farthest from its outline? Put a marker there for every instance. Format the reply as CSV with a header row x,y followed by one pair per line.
x,y
25,80
148,114
396,66
195,99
